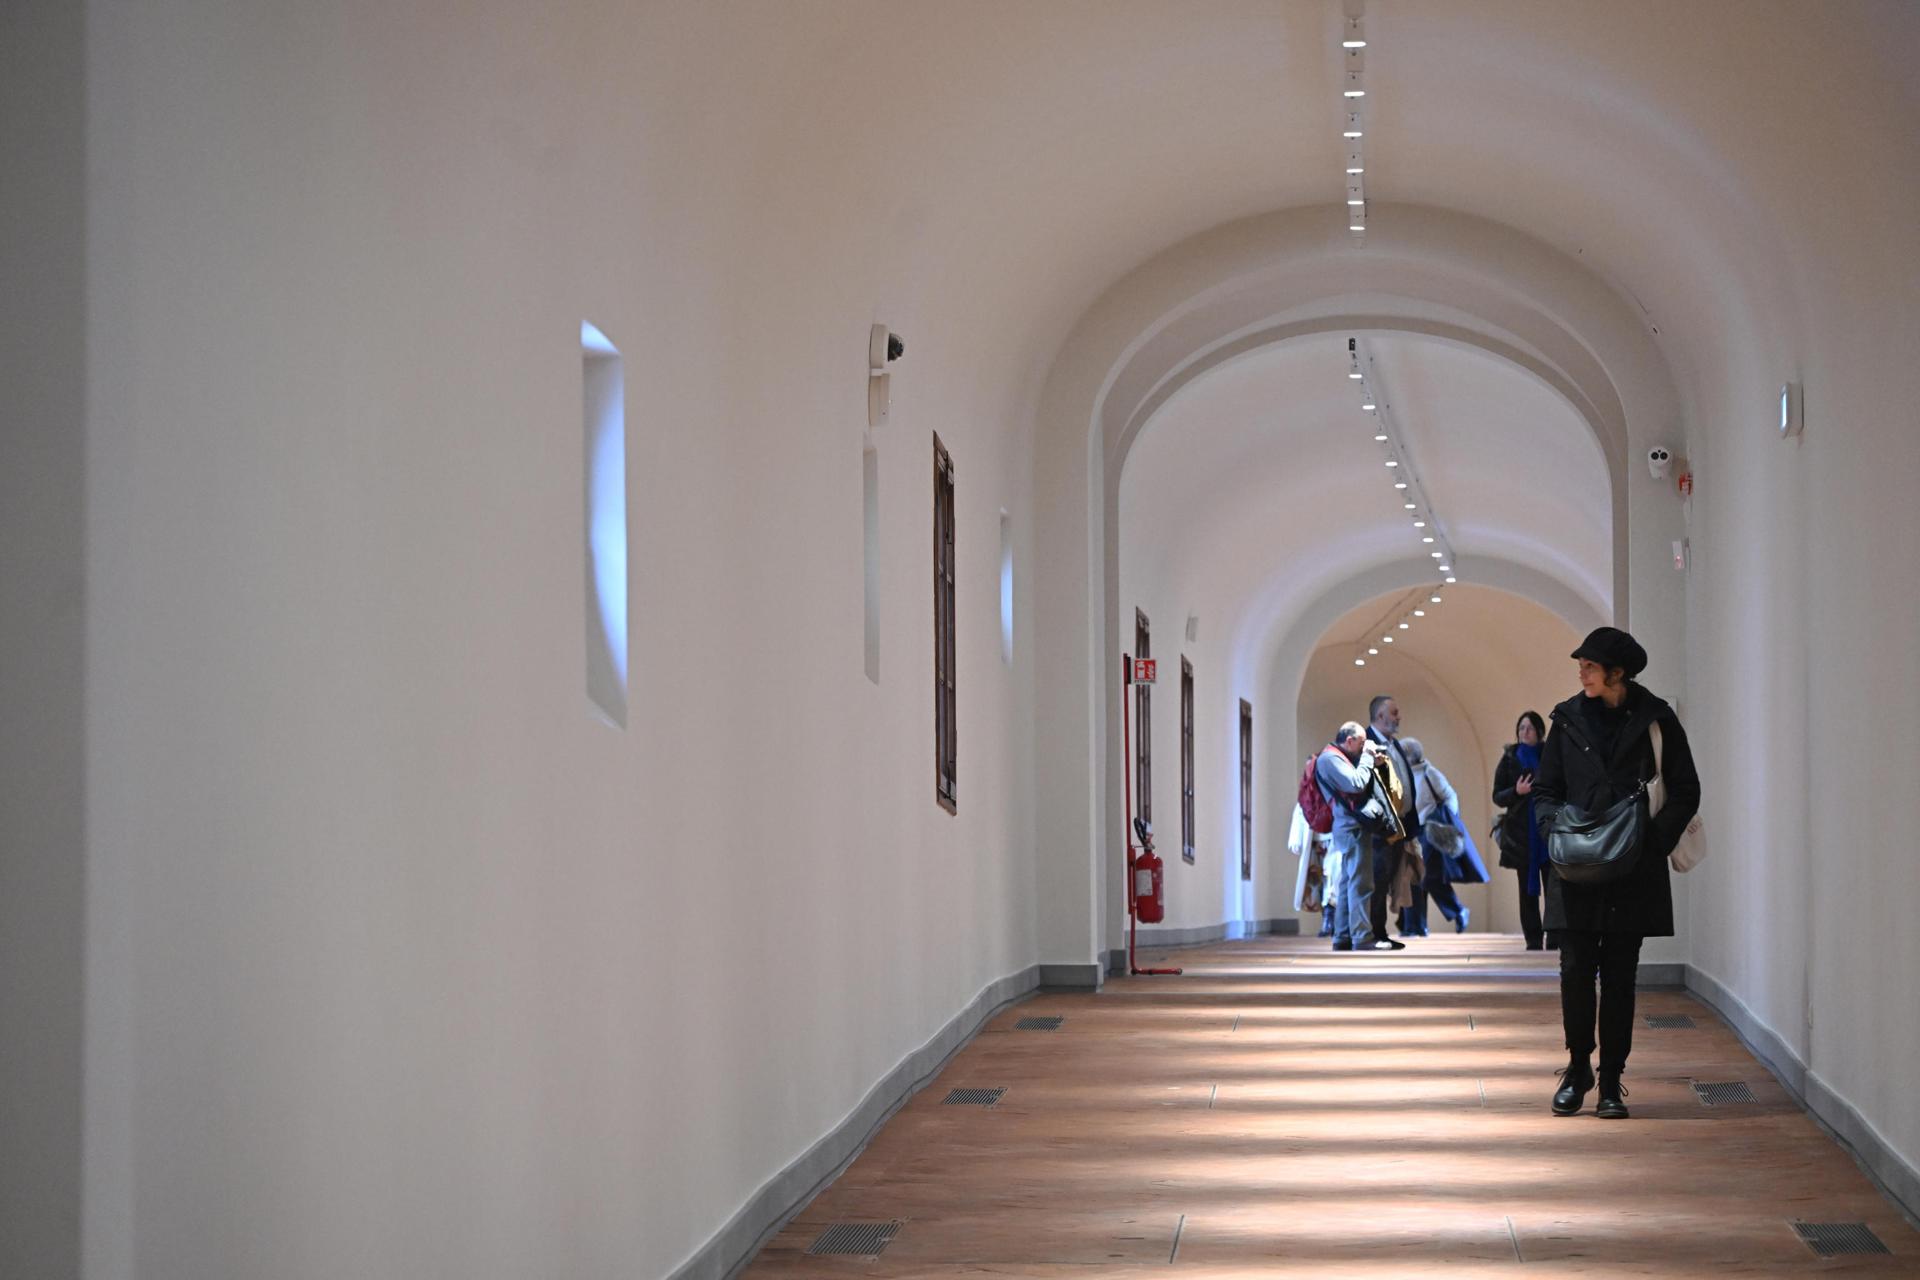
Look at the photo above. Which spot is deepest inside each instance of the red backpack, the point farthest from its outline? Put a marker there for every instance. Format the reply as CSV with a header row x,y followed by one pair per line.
x,y
1313,801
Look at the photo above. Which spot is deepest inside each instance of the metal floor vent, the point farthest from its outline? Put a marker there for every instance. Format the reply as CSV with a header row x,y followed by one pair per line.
x,y
1040,1024
859,1239
1831,1239
971,1097
1715,1095
1671,1021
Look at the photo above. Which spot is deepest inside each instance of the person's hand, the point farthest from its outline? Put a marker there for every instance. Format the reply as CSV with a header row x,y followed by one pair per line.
x,y
1524,786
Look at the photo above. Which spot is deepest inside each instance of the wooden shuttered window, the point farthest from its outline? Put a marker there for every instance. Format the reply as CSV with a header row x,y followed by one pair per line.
x,y
945,751
1186,759
1246,790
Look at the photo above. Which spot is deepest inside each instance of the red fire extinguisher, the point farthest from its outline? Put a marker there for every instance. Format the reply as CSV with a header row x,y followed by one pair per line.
x,y
1149,887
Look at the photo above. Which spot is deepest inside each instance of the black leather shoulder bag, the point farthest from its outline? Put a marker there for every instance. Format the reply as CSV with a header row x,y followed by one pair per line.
x,y
1599,848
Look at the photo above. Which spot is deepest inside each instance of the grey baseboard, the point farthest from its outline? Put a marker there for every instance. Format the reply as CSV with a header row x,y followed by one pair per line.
x,y
1230,931
1896,1179
789,1191
1070,977
1661,975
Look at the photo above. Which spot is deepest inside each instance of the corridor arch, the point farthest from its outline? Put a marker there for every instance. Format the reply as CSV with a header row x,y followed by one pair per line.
x,y
1250,284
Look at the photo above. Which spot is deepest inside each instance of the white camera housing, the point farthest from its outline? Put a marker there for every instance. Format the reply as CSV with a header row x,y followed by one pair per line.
x,y
1660,461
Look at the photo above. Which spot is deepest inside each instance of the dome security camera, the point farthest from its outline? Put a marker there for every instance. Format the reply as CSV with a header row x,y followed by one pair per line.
x,y
883,347
1660,461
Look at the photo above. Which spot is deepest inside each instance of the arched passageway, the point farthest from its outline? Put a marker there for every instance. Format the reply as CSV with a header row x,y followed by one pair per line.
x,y
1256,525
315,856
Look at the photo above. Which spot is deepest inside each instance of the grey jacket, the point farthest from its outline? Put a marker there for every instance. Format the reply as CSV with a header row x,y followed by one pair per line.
x,y
1345,786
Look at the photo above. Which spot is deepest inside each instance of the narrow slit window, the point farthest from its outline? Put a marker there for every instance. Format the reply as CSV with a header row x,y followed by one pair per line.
x,y
1142,725
870,555
1186,759
1006,588
1246,790
604,422
945,751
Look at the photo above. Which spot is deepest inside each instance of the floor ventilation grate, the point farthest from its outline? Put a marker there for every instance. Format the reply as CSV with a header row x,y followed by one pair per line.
x,y
1672,1021
1831,1239
1040,1024
858,1239
971,1097
1719,1094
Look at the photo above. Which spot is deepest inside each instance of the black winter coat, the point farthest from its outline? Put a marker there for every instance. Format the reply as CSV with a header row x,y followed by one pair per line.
x,y
1573,772
1513,823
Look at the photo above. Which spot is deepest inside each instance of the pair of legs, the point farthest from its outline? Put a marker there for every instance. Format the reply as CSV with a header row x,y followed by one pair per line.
x,y
1613,959
1530,917
1383,865
1438,889
1353,894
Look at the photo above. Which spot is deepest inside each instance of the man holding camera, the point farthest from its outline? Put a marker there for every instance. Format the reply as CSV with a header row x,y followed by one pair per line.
x,y
1384,734
1345,772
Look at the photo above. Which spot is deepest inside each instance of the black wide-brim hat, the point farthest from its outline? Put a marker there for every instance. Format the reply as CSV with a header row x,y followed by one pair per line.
x,y
1612,647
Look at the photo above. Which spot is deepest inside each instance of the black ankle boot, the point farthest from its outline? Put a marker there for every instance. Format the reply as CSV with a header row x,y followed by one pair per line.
x,y
1611,1106
1575,1079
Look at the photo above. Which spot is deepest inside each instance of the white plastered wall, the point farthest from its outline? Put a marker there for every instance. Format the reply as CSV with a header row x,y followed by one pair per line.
x,y
42,634
402,963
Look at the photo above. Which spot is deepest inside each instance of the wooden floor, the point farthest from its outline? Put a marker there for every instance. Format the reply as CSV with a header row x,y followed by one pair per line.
x,y
1283,1110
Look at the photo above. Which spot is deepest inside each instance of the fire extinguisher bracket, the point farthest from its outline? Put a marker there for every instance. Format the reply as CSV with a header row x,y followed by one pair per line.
x,y
1146,873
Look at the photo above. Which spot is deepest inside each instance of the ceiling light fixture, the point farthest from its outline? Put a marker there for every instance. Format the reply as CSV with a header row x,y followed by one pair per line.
x,y
1426,539
1380,437
1400,484
1433,599
1451,581
1392,463
1359,662
1419,613
1373,651
1406,626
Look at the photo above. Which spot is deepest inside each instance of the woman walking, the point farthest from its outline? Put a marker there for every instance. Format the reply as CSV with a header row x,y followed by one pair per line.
x,y
1436,801
1522,847
1600,751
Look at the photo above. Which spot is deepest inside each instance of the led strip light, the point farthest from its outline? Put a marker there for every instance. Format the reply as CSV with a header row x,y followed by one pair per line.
x,y
1412,496
1353,97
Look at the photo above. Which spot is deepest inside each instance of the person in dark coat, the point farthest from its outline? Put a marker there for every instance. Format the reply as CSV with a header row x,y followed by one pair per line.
x,y
1522,847
1599,751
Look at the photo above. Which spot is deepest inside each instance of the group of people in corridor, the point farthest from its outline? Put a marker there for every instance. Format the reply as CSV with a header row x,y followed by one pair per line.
x,y
1396,840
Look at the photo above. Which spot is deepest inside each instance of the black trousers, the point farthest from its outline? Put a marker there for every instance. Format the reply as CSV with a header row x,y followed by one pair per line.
x,y
1529,912
1614,958
1384,855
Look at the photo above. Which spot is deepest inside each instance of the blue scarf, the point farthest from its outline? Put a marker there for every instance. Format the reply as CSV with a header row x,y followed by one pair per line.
x,y
1529,758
